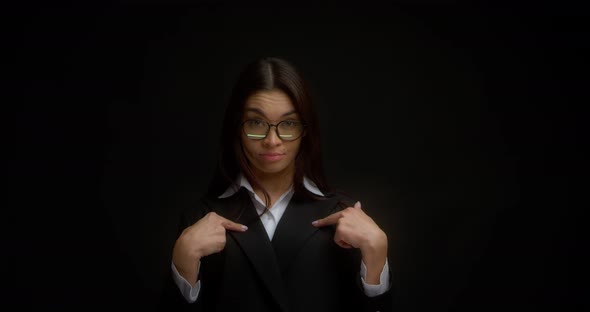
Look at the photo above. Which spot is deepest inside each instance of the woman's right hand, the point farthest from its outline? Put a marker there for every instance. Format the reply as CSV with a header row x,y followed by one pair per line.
x,y
201,239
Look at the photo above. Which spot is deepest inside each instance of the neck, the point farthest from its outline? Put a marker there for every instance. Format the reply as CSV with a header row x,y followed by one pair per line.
x,y
276,183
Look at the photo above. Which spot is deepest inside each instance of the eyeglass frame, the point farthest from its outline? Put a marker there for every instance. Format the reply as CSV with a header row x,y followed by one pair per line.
x,y
276,129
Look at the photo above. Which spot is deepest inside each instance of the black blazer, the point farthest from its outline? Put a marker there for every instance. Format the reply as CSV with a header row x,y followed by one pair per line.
x,y
301,269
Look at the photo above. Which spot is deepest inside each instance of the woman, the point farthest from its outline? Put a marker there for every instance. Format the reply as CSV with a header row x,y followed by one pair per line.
x,y
270,235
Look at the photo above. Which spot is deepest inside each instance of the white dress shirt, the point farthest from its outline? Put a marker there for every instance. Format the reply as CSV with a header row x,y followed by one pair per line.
x,y
270,220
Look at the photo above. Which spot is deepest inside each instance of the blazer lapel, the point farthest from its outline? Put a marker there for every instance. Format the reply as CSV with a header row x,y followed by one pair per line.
x,y
256,245
295,227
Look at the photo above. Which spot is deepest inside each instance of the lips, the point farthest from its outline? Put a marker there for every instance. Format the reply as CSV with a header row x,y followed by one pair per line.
x,y
272,156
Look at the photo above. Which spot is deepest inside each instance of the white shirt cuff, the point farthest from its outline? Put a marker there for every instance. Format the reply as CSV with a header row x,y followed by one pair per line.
x,y
382,287
188,292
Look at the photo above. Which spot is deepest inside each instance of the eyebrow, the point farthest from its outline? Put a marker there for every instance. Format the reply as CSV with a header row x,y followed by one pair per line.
x,y
258,111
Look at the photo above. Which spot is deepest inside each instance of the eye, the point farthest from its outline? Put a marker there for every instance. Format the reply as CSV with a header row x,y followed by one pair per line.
x,y
256,123
289,123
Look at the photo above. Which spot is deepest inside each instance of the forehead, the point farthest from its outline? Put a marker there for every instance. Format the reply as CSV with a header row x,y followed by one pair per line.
x,y
274,102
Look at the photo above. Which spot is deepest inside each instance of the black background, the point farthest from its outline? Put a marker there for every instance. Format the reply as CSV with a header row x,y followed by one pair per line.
x,y
456,126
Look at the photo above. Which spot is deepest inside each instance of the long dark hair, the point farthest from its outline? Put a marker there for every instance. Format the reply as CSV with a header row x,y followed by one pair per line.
x,y
266,74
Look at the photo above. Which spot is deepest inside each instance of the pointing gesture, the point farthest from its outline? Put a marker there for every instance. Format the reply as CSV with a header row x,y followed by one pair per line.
x,y
355,229
204,237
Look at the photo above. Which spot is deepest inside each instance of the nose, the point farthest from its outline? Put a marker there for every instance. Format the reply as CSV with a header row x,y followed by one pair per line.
x,y
272,138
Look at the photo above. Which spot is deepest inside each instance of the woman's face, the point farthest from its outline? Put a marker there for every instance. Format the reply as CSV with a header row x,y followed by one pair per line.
x,y
270,155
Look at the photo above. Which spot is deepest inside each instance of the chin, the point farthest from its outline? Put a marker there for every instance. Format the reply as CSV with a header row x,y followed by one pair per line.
x,y
271,168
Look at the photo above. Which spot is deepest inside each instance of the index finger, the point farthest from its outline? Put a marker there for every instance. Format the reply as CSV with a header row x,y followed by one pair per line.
x,y
233,226
329,220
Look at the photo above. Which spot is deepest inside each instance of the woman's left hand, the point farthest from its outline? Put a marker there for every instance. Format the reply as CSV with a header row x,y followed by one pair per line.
x,y
355,229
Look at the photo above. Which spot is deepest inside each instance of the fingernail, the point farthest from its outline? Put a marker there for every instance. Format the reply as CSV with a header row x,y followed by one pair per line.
x,y
244,227
358,204
315,222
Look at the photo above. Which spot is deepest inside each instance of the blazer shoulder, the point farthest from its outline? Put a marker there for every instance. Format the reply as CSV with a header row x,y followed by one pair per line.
x,y
192,206
344,199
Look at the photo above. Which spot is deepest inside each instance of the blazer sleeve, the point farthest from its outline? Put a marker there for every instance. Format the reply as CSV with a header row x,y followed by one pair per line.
x,y
382,302
171,298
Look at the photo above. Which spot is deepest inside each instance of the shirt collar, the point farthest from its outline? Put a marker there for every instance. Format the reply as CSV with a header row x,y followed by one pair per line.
x,y
241,181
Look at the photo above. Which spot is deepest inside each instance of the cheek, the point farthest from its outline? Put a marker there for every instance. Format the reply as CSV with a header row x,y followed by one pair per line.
x,y
295,149
248,146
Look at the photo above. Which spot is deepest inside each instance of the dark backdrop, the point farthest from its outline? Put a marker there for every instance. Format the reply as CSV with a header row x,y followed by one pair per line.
x,y
455,126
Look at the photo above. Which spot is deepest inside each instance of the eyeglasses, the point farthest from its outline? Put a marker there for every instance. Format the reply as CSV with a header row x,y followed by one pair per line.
x,y
287,130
